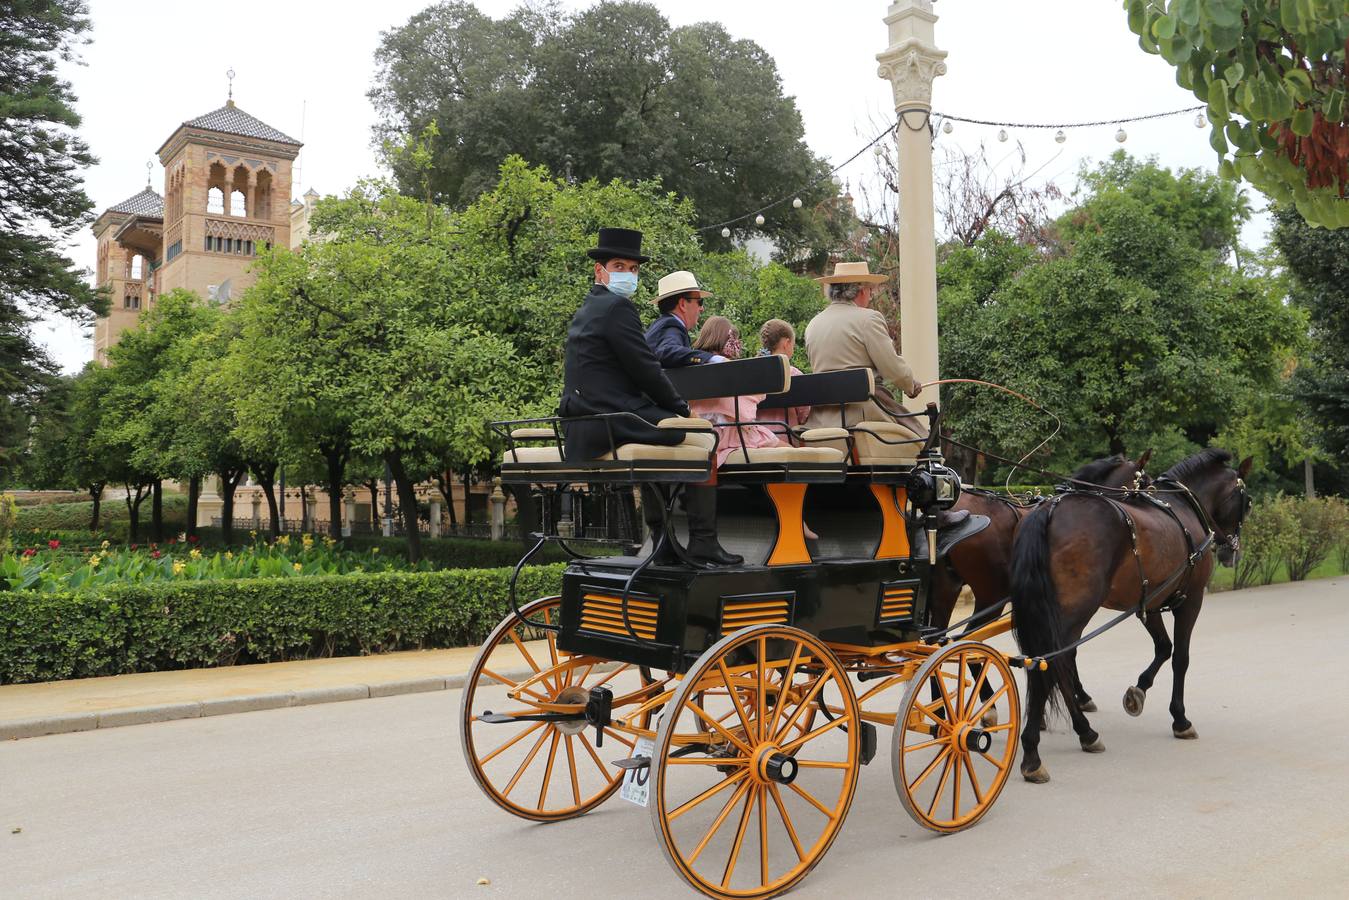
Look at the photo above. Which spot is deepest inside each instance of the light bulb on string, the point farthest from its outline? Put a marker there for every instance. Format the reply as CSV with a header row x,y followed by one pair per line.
x,y
1199,120
759,219
796,204
1060,137
1002,134
947,127
1121,135
725,232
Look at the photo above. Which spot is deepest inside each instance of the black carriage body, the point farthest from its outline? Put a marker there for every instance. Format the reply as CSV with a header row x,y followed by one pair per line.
x,y
674,614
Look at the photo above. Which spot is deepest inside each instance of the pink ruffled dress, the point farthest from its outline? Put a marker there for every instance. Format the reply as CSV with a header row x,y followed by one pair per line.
x,y
722,413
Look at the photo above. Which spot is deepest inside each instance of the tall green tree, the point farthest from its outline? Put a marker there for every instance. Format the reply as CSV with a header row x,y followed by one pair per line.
x,y
1318,265
1273,73
42,200
609,92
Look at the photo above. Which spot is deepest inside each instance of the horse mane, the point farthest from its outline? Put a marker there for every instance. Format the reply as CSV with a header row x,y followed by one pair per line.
x,y
1191,465
1094,472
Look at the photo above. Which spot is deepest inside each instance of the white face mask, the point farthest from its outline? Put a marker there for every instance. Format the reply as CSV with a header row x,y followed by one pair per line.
x,y
624,284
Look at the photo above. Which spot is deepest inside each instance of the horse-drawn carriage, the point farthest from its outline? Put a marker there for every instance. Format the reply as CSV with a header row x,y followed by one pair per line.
x,y
738,704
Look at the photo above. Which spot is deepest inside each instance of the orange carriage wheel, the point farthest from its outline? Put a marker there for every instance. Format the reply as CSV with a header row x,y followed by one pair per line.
x,y
747,793
956,736
545,771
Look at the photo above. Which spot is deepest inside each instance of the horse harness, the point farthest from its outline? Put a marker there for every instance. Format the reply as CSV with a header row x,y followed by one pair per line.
x,y
1195,552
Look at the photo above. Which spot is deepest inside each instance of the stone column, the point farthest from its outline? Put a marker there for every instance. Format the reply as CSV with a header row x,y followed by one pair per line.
x,y
433,529
910,64
348,515
497,502
210,504
257,511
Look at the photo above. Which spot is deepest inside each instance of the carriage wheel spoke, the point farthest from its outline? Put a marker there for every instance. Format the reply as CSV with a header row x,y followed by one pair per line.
x,y
705,761
987,704
571,764
974,780
705,795
759,697
585,742
960,685
958,758
931,767
525,765
501,678
787,675
548,771
717,726
734,856
822,764
810,736
941,787
716,825
763,834
787,821
810,798
805,704
735,696
511,743
924,745
978,685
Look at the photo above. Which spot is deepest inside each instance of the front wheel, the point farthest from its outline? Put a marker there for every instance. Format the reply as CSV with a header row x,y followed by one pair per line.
x,y
955,736
747,793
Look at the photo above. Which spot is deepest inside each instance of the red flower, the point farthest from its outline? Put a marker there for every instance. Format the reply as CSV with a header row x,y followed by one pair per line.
x,y
155,555
154,546
192,538
172,541
53,544
30,552
134,546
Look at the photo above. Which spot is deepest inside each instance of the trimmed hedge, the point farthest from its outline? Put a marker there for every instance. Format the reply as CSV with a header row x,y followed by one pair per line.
x,y
461,553
157,626
112,513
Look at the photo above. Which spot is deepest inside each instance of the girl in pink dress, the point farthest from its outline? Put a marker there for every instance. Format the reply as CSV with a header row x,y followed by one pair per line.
x,y
719,337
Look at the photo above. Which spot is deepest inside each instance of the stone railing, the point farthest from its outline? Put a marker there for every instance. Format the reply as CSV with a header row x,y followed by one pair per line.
x,y
225,228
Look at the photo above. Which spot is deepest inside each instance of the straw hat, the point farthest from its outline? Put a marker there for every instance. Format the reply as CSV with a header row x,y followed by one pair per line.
x,y
677,283
852,272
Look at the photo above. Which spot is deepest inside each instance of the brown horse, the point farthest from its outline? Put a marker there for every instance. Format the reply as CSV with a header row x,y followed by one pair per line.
x,y
984,560
1083,551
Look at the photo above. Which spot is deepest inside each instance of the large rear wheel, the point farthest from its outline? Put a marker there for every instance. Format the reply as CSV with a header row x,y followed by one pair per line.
x,y
747,793
545,771
955,736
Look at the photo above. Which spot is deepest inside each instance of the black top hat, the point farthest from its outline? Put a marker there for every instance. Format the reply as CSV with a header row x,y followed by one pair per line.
x,y
619,243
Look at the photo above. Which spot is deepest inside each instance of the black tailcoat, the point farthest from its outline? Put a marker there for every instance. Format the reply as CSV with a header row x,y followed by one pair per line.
x,y
609,368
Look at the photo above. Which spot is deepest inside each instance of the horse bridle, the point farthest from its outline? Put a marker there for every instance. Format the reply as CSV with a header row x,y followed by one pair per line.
x,y
1232,539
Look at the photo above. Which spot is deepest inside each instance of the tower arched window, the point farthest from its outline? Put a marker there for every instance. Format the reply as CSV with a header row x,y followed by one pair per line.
x,y
215,201
238,205
137,266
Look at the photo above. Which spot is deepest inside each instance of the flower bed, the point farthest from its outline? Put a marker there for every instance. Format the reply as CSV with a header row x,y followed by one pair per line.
x,y
53,566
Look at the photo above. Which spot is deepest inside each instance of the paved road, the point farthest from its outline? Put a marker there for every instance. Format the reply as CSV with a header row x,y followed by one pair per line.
x,y
372,797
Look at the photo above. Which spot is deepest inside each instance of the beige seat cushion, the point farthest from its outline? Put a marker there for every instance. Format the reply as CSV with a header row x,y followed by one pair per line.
x,y
817,435
885,443
696,448
532,455
533,434
686,423
742,456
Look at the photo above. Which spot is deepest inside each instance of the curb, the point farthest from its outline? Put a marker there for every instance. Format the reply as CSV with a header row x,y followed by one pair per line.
x,y
14,729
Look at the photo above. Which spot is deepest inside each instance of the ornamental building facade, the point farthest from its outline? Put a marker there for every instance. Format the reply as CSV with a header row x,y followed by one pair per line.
x,y
226,197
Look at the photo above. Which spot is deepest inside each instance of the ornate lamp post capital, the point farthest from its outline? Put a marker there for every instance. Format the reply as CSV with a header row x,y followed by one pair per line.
x,y
912,60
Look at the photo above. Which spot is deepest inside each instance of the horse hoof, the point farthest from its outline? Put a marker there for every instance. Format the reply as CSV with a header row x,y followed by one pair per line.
x,y
989,719
1096,746
1089,706
1186,734
1039,776
1133,701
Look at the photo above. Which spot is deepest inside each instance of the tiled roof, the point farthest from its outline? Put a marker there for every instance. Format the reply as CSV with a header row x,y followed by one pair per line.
x,y
230,119
146,203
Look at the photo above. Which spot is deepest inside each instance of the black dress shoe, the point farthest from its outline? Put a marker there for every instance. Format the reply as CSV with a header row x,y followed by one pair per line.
x,y
712,554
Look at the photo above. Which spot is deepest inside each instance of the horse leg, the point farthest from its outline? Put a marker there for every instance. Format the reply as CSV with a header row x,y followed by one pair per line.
x,y
1161,652
1186,614
1084,701
1032,768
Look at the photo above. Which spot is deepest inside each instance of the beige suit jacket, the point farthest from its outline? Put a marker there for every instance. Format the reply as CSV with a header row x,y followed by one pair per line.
x,y
846,336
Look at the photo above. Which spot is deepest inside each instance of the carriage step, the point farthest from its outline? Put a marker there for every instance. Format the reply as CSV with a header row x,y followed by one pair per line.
x,y
635,762
492,718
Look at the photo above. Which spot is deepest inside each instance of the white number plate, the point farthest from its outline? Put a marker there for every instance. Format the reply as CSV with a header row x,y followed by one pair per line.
x,y
637,782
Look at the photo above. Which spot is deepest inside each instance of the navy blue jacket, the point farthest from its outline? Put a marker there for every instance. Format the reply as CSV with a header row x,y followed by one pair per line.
x,y
668,338
610,369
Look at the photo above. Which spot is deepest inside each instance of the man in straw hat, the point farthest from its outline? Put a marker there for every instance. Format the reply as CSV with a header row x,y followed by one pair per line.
x,y
610,369
849,334
679,298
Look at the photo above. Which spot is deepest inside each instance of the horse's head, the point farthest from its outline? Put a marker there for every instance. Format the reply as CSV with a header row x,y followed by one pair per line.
x,y
1220,491
1114,472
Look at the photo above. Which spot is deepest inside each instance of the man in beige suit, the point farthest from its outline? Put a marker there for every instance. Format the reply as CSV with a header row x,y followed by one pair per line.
x,y
848,334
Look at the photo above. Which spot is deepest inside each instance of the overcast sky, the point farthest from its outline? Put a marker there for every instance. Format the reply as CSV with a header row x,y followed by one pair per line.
x,y
304,66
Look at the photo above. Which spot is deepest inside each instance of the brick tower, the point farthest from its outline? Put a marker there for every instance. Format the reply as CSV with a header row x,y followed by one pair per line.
x,y
130,236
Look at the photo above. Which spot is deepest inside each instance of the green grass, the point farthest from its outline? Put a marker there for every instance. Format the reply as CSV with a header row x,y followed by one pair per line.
x,y
1223,576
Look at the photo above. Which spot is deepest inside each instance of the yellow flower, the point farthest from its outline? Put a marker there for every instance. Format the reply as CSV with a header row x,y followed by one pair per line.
x,y
179,566
94,561
106,545
194,553
253,535
298,567
374,549
308,541
284,540
229,554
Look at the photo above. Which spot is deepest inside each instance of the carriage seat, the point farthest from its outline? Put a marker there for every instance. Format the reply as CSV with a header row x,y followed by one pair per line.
x,y
696,447
885,444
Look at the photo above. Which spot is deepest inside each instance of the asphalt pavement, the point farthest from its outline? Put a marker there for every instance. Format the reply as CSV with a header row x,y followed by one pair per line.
x,y
348,799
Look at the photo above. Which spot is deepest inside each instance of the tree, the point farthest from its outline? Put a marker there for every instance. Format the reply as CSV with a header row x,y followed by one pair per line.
x,y
42,201
1133,330
66,451
1318,264
1274,77
609,92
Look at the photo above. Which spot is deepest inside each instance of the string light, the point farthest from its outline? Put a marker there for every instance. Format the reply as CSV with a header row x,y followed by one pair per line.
x,y
947,126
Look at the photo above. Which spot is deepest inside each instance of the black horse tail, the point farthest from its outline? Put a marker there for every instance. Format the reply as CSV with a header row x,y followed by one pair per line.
x,y
1036,620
